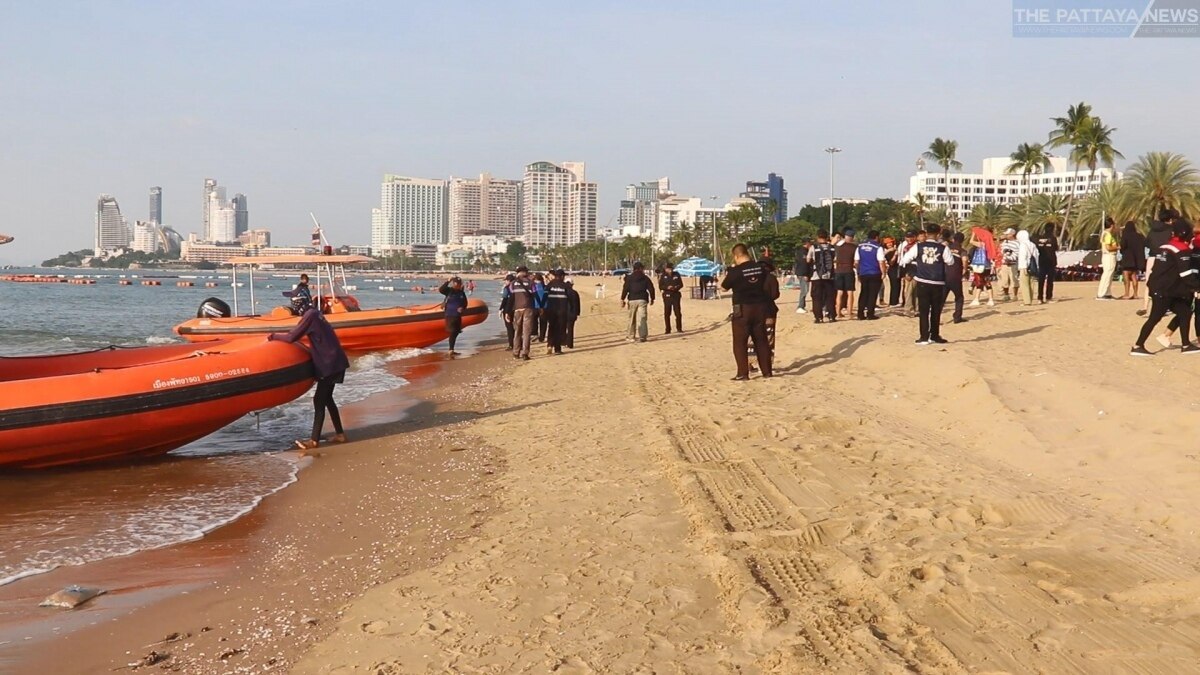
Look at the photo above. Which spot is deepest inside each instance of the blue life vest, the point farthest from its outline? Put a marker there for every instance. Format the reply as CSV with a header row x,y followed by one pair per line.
x,y
868,259
931,267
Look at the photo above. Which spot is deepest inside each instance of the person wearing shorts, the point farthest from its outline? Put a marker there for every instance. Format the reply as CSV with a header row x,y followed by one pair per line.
x,y
843,273
981,273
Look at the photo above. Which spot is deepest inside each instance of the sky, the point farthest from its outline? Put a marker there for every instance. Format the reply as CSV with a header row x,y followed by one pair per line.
x,y
303,106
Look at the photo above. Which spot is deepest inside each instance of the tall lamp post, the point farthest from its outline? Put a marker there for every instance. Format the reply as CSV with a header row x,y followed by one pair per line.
x,y
832,151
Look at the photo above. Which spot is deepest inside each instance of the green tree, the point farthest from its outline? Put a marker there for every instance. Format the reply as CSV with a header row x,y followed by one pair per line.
x,y
1029,158
1160,180
943,152
988,215
1044,209
1067,133
1110,200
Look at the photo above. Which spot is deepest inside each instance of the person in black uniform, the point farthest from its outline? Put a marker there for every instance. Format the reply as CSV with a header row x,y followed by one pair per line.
x,y
1172,287
930,257
576,308
558,307
751,308
821,258
955,272
670,284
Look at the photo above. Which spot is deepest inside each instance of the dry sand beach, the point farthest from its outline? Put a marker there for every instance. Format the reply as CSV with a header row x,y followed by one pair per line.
x,y
1020,500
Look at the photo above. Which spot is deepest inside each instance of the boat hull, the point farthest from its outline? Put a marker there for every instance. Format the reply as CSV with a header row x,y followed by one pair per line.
x,y
130,403
366,330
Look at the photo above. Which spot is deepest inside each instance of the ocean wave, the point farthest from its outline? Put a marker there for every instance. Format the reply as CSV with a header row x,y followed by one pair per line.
x,y
160,340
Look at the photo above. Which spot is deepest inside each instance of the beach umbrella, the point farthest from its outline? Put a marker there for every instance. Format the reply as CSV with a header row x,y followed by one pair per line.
x,y
697,267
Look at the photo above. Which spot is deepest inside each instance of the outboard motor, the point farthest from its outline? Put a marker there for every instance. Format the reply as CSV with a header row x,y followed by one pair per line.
x,y
213,308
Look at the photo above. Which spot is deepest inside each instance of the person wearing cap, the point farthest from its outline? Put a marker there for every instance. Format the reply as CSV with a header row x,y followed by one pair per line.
x,y
506,309
557,309
751,309
1006,272
843,273
524,307
670,286
454,304
637,292
329,363
1172,287
576,308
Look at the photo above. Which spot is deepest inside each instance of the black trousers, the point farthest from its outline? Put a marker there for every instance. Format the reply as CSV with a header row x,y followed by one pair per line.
x,y
823,297
569,332
543,324
1046,284
510,328
955,288
869,295
322,401
673,304
555,327
1181,307
453,327
930,300
750,325
894,291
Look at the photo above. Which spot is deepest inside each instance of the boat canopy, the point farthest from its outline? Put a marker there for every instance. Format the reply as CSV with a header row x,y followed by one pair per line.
x,y
303,260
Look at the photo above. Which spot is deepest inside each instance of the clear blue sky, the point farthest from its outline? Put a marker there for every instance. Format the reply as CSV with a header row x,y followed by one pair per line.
x,y
303,106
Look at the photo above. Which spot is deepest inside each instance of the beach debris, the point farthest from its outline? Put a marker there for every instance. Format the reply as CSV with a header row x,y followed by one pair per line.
x,y
71,597
309,620
230,653
173,637
150,659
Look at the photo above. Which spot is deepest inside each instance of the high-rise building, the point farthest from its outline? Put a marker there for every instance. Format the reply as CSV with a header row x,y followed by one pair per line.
x,y
146,237
156,205
412,211
675,213
210,186
770,196
491,204
241,214
994,184
112,230
222,219
559,204
639,208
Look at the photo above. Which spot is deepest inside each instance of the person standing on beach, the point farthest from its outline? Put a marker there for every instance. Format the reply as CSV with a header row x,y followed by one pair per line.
x,y
670,285
329,367
524,309
909,286
576,308
637,293
954,274
1160,234
1172,288
751,309
982,258
506,308
454,304
1006,271
1027,267
871,264
843,273
558,307
821,260
1108,259
802,269
1047,246
891,257
539,292
1133,259
931,258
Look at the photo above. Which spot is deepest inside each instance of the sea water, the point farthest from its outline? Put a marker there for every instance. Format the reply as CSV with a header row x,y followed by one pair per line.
x,y
74,516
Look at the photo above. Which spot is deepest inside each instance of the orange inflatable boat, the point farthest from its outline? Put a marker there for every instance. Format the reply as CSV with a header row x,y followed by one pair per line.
x,y
118,403
358,329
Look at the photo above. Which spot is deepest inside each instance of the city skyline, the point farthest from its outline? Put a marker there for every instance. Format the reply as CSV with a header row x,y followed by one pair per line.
x,y
311,128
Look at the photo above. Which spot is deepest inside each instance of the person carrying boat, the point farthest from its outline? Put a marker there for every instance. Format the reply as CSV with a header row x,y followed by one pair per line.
x,y
329,367
455,304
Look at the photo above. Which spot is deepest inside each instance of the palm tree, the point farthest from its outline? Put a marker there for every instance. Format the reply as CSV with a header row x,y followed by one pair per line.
x,y
1160,180
1029,158
1044,209
1094,147
919,205
942,152
941,215
1110,200
1067,133
987,215
744,216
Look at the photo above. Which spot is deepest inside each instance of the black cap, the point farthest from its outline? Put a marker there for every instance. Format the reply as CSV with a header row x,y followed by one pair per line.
x,y
522,268
638,265
910,233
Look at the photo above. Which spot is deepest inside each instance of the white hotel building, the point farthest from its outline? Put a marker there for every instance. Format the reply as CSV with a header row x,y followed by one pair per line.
x,y
558,204
412,211
967,190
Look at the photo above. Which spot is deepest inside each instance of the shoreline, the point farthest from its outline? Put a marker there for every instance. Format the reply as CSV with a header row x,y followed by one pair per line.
x,y
296,580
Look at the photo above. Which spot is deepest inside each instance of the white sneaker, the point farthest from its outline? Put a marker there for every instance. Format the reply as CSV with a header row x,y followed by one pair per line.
x,y
801,310
1164,341
991,303
974,303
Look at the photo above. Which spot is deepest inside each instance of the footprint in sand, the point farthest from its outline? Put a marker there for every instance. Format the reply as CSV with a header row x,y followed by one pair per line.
x,y
374,627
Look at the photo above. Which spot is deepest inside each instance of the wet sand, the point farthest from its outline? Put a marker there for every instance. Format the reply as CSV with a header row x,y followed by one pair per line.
x,y
253,595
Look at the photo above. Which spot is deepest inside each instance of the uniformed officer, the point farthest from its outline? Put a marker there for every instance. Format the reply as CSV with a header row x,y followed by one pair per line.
x,y
556,311
670,285
751,309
